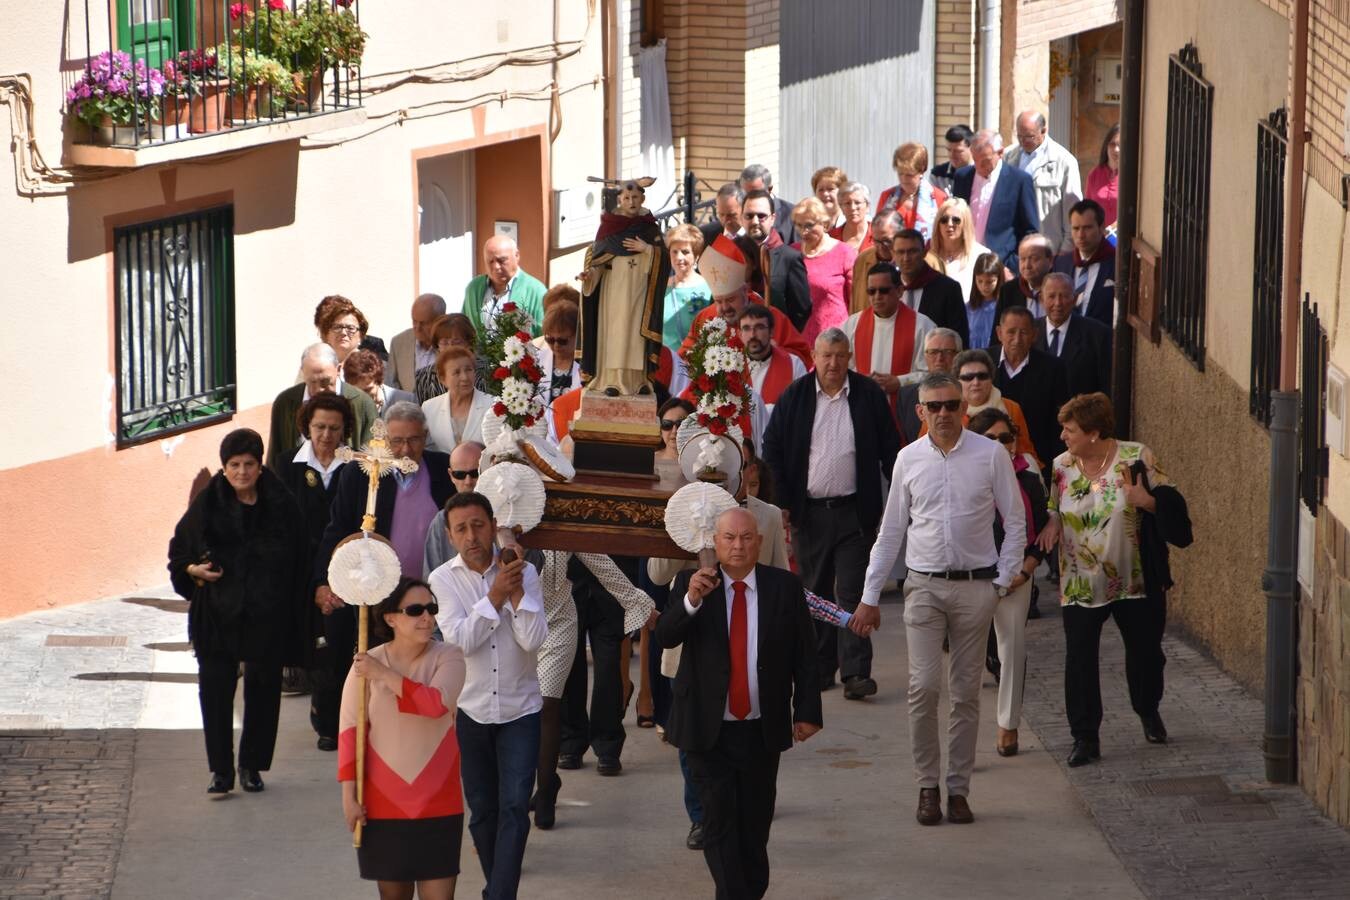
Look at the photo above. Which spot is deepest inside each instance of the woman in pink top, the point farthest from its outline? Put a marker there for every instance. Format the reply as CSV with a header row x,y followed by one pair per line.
x,y
829,268
1102,181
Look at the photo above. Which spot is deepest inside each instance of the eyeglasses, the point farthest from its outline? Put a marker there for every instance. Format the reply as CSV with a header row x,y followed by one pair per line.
x,y
415,610
346,329
974,376
1003,437
949,220
461,474
553,340
807,226
756,216
881,290
406,442
667,424
936,406
939,353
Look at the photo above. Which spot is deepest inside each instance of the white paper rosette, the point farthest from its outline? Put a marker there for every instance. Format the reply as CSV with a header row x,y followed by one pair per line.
x,y
689,429
364,570
545,456
703,450
691,514
516,493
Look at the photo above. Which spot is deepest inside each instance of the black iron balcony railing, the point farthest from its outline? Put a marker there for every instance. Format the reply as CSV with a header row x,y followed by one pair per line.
x,y
180,69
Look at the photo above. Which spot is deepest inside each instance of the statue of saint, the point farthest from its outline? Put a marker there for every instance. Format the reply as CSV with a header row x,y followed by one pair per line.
x,y
623,290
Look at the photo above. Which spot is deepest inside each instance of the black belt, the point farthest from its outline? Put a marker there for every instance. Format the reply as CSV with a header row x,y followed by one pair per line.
x,y
831,502
987,573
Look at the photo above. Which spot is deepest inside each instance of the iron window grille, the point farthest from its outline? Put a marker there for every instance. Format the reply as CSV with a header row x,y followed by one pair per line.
x,y
175,324
1267,262
1190,119
1312,456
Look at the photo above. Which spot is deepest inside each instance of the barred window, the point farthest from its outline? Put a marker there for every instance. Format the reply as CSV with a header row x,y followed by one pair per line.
x,y
1267,262
175,324
1190,119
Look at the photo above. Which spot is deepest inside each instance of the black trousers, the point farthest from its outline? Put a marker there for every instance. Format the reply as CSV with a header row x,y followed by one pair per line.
x,y
330,674
599,617
216,682
737,783
1141,621
832,550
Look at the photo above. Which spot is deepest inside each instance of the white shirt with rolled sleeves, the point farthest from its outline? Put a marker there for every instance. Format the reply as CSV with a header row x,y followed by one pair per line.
x,y
500,646
751,636
940,509
832,468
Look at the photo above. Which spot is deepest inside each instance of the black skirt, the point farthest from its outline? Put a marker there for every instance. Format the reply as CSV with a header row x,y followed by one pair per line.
x,y
410,849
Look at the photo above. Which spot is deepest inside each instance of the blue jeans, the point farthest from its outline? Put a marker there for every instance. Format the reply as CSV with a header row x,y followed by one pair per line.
x,y
497,765
692,804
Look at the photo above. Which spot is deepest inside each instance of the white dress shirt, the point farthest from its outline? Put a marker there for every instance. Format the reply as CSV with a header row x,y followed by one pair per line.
x,y
751,637
831,469
940,509
883,342
981,197
500,646
422,356
1086,294
1014,371
493,301
306,455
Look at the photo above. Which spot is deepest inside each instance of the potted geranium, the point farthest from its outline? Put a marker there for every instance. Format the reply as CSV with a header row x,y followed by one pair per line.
x,y
116,97
204,88
259,85
321,36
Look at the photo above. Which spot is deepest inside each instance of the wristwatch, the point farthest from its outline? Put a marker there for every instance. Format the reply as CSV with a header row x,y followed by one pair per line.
x,y
1001,590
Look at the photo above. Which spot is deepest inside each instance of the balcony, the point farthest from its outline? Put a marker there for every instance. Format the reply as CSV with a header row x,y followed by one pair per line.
x,y
193,78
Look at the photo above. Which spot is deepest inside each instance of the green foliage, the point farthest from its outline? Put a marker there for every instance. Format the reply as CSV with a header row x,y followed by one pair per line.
x,y
320,35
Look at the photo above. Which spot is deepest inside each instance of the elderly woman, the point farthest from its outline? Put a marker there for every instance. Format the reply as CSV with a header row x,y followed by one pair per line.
x,y
914,198
854,202
687,294
1102,181
559,293
325,422
829,268
954,246
368,341
364,370
413,817
1112,511
457,415
825,185
975,370
453,330
1010,615
236,555
342,326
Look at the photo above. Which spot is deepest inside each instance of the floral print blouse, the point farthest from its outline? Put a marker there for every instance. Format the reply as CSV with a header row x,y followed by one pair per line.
x,y
1099,543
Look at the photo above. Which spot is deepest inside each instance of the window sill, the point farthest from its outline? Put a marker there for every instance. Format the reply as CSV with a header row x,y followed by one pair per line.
x,y
212,144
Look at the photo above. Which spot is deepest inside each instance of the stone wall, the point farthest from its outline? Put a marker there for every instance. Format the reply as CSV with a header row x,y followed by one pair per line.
x,y
1324,673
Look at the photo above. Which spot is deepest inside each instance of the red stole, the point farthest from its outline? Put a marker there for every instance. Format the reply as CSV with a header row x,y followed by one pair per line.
x,y
925,277
1104,252
902,341
778,376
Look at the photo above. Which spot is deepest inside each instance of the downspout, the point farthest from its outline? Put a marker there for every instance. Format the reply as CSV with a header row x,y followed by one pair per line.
x,y
1280,742
1127,211
989,63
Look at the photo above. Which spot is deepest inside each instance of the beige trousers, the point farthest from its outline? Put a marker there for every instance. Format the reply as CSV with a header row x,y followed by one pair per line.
x,y
959,611
1010,631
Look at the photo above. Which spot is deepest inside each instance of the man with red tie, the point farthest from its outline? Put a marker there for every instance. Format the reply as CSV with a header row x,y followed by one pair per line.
x,y
887,337
772,368
746,689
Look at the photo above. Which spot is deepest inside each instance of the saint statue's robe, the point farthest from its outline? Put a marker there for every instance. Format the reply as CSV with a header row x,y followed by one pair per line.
x,y
622,305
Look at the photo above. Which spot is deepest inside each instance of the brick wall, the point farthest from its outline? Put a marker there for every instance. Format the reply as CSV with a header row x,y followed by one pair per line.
x,y
1041,21
1328,80
955,63
1323,691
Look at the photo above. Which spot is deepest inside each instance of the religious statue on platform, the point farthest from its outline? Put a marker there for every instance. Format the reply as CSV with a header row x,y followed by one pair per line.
x,y
623,290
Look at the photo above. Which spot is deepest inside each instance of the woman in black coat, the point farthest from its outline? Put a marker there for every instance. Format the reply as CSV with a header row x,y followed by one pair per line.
x,y
237,556
311,474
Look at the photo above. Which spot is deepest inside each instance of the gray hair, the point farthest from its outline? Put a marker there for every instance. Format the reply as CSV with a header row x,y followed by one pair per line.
x,y
889,218
756,171
1037,120
436,301
856,187
1057,277
731,189
832,336
1036,239
945,333
406,411
987,136
935,381
321,352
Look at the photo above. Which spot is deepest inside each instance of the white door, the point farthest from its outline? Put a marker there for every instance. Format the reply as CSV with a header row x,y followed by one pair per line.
x,y
445,226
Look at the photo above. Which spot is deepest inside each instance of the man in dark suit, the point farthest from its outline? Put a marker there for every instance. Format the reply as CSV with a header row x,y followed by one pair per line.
x,y
404,508
319,371
830,440
1002,199
940,347
1034,260
927,290
745,690
1033,379
777,272
1092,264
1082,344
756,177
728,218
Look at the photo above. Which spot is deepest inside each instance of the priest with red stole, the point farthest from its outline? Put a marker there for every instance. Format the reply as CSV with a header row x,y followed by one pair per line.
x,y
771,367
887,337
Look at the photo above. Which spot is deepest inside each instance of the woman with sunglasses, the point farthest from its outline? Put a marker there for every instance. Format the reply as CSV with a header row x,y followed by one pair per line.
x,y
672,413
954,246
975,369
410,837
1009,656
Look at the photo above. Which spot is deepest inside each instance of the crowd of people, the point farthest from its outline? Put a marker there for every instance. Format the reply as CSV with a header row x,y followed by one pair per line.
x,y
929,405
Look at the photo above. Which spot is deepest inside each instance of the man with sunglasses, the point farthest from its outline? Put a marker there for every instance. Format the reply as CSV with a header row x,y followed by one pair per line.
x,y
777,270
887,337
464,461
944,492
884,228
940,347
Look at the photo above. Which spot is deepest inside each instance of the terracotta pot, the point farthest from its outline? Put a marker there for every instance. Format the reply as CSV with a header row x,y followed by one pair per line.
x,y
243,105
206,110
309,93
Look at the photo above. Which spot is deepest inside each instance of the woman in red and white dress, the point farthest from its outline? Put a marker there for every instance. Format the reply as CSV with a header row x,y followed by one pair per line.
x,y
414,808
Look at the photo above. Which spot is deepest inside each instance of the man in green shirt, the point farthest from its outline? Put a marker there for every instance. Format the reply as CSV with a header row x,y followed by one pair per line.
x,y
504,281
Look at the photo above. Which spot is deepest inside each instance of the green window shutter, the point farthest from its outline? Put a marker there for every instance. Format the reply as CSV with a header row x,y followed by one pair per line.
x,y
155,30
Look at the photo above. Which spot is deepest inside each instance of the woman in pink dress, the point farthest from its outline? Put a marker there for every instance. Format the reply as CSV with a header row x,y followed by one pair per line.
x,y
829,268
1102,181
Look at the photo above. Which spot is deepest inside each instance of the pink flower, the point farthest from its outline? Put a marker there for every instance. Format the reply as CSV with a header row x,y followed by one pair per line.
x,y
277,4
345,4
236,10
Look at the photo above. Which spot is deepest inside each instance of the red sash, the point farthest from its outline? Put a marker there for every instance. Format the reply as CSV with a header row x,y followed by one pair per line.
x,y
778,376
902,341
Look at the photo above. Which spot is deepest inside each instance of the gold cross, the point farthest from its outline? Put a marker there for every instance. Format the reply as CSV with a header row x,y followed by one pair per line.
x,y
376,460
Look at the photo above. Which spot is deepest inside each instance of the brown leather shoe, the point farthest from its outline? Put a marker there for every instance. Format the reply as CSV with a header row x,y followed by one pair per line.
x,y
930,806
1007,742
958,811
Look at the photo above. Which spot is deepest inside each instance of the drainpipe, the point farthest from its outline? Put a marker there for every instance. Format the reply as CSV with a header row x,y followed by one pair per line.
x,y
989,64
1280,743
1127,210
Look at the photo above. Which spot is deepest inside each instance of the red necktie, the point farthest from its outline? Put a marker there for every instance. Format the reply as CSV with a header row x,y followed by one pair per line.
x,y
738,691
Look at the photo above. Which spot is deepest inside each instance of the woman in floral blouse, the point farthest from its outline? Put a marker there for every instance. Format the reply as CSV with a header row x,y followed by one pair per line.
x,y
1101,494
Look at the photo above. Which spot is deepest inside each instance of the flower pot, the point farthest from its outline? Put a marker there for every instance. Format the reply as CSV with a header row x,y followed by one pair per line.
x,y
205,110
243,105
112,134
309,93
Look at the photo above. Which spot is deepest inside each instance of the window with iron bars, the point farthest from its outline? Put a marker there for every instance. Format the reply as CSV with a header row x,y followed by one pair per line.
x,y
1312,437
1190,119
1267,263
175,324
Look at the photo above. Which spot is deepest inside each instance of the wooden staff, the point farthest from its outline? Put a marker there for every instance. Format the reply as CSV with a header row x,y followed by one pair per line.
x,y
362,641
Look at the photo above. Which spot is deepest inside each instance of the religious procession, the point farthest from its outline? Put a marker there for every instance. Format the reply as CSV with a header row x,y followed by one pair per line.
x,y
756,449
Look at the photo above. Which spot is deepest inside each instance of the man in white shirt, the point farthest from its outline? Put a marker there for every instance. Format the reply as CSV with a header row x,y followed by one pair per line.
x,y
944,492
494,613
1054,171
772,368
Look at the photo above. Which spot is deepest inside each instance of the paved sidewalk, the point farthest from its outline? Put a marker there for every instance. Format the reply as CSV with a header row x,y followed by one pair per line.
x,y
134,803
